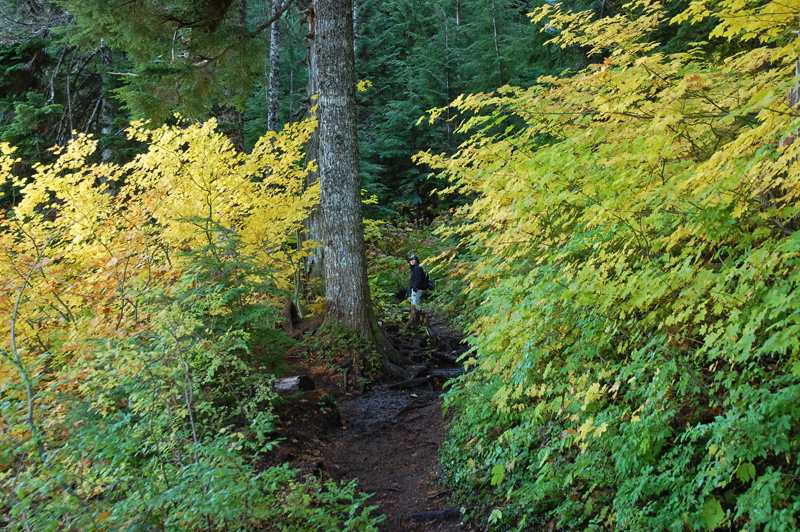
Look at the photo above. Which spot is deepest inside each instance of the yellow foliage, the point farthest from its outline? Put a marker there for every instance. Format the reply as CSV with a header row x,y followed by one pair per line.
x,y
86,241
636,249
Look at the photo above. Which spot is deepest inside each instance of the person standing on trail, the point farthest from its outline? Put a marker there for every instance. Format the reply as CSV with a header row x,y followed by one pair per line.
x,y
417,281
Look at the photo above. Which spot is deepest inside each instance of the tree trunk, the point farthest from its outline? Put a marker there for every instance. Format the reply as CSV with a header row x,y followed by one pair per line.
x,y
345,272
107,107
273,95
315,261
231,119
231,123
497,45
346,285
447,66
457,45
355,27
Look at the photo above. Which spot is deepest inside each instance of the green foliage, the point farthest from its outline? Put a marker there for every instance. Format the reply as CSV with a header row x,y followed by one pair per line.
x,y
156,446
388,249
50,90
634,248
415,54
293,100
26,116
335,348
186,55
134,381
32,117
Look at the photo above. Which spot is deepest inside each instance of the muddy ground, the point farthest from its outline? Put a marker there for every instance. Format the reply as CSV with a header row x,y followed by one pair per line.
x,y
387,436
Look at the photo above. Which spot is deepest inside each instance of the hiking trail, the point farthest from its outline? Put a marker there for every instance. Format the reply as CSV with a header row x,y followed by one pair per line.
x,y
388,436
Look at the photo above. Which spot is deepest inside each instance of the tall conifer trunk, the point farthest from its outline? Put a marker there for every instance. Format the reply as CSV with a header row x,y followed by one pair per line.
x,y
347,289
273,94
346,284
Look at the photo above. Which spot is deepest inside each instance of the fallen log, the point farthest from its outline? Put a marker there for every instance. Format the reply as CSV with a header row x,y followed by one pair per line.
x,y
409,383
290,385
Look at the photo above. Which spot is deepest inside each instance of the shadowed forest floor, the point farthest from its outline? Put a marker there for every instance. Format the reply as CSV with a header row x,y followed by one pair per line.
x,y
387,436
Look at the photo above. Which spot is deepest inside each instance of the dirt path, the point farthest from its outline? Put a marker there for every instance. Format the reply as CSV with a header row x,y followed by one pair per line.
x,y
395,455
388,438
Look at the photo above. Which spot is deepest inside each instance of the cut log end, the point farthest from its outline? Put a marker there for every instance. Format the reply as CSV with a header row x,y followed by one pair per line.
x,y
291,385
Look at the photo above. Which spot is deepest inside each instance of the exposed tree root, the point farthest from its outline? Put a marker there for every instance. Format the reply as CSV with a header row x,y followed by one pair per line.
x,y
392,359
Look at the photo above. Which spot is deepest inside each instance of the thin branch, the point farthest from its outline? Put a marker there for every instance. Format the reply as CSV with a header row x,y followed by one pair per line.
x,y
16,360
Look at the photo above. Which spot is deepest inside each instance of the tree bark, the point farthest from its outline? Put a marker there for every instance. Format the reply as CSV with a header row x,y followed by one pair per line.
x,y
347,288
107,107
345,270
273,95
231,122
315,261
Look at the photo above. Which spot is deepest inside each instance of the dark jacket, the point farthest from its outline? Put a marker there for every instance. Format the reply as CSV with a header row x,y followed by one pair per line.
x,y
417,278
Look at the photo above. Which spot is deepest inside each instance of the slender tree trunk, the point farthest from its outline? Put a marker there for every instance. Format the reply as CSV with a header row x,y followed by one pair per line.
x,y
315,261
69,99
497,45
107,107
447,63
457,46
356,36
273,97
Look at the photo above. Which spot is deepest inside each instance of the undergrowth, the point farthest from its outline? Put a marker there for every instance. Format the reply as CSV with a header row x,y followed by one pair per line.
x,y
632,254
135,381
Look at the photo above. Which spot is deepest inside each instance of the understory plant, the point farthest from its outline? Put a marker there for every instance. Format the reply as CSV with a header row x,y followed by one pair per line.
x,y
635,282
138,335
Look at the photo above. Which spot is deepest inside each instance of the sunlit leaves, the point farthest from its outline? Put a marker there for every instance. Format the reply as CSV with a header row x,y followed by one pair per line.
x,y
637,231
130,297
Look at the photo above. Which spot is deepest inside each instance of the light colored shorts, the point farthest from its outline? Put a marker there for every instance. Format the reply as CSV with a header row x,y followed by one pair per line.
x,y
415,297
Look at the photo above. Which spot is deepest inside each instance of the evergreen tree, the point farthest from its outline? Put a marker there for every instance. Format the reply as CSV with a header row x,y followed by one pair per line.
x,y
421,54
49,89
347,289
412,66
187,55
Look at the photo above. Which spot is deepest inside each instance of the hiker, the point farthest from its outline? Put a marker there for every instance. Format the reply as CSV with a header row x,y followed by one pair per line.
x,y
417,281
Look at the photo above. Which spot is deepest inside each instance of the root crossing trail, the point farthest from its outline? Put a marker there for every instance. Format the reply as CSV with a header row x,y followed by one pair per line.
x,y
388,438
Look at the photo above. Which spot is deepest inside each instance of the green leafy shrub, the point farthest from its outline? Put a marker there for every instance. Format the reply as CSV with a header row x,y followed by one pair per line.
x,y
636,253
135,382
